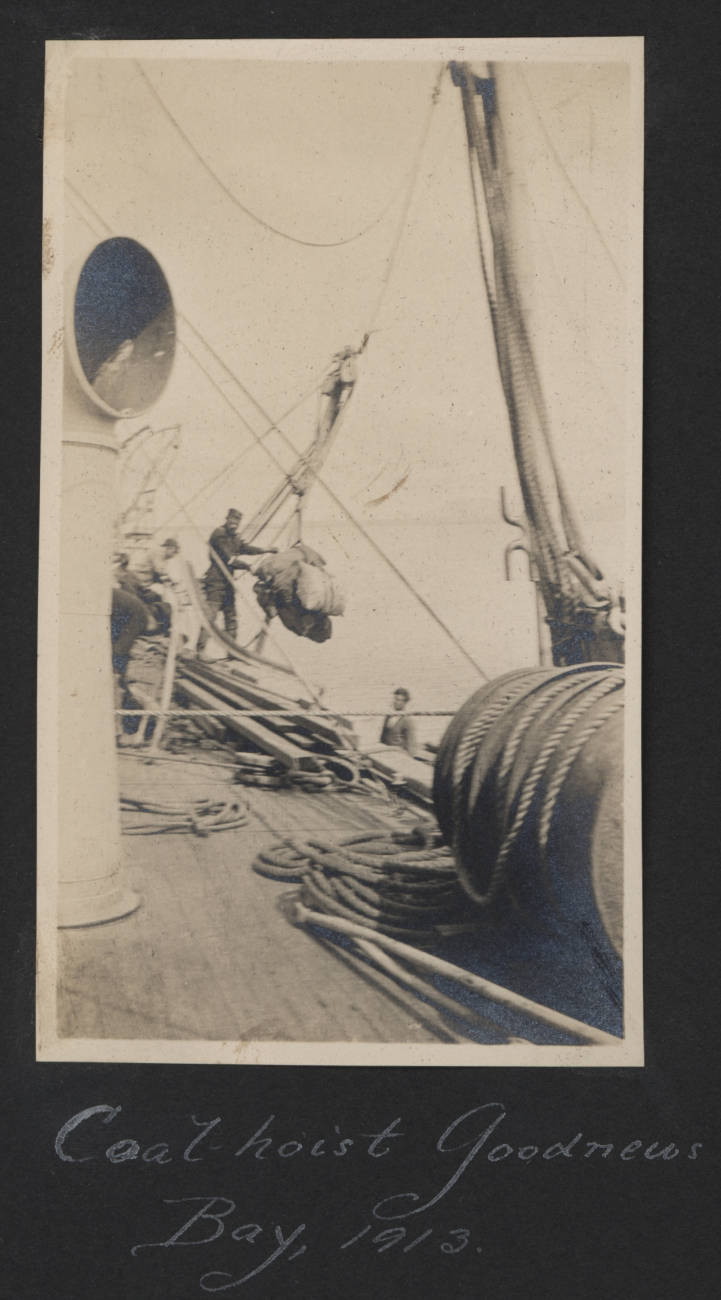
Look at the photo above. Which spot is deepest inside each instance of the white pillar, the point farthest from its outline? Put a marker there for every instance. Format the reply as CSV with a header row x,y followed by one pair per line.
x,y
90,881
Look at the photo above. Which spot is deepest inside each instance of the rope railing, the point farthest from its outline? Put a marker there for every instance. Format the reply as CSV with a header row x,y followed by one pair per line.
x,y
276,713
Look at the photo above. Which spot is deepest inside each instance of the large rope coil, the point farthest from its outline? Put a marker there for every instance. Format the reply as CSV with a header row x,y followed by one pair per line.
x,y
398,883
505,758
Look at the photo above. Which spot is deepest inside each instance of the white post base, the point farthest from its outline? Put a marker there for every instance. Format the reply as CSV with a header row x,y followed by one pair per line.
x,y
78,905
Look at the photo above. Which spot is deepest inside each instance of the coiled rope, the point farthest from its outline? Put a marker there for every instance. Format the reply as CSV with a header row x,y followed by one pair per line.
x,y
505,757
402,884
198,816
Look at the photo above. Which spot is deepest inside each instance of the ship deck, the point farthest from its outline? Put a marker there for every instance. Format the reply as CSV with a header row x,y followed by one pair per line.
x,y
210,953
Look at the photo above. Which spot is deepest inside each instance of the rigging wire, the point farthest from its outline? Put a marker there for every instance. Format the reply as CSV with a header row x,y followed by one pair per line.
x,y
561,284
258,439
490,293
390,263
307,243
568,515
515,353
407,201
559,162
349,514
183,509
167,446
77,200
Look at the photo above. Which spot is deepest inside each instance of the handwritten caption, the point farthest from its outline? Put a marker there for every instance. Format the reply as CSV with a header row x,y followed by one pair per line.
x,y
80,1139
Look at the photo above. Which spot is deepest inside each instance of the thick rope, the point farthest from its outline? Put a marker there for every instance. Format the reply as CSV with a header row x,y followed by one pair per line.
x,y
307,243
532,782
198,816
397,883
512,742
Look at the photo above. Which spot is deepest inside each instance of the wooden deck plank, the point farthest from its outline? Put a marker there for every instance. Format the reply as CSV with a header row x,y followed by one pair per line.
x,y
210,953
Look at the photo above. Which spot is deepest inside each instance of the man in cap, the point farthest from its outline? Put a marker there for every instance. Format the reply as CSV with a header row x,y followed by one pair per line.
x,y
226,545
152,565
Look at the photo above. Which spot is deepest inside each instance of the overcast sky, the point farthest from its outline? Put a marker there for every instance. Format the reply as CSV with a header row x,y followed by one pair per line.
x,y
319,151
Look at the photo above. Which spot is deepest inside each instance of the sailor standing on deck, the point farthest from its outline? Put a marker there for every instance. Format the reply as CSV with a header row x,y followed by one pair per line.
x,y
398,728
219,592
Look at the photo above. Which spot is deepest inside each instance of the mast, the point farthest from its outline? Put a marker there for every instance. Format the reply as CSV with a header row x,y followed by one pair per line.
x,y
583,617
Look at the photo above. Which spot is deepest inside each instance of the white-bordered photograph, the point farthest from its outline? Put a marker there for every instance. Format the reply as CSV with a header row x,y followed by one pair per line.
x,y
340,553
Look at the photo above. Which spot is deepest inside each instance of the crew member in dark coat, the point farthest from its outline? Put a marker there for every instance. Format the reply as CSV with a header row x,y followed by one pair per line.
x,y
398,728
219,592
128,620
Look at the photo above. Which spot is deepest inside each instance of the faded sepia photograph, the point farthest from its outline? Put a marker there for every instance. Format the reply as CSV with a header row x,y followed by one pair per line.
x,y
340,553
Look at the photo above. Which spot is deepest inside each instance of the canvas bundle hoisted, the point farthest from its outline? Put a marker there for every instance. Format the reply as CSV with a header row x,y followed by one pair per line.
x,y
296,586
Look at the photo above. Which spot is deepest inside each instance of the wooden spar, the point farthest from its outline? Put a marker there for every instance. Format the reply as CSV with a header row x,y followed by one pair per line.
x,y
249,729
474,1018
168,675
248,695
426,1013
476,983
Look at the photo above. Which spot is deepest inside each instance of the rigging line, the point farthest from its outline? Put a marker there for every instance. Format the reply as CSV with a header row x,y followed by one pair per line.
x,y
356,522
409,196
307,243
148,478
273,424
479,234
509,304
183,508
324,485
78,203
582,202
575,319
259,438
384,284
342,507
428,608
308,392
211,483
235,462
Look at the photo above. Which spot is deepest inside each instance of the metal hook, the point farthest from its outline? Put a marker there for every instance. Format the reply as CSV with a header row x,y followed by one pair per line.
x,y
515,523
521,543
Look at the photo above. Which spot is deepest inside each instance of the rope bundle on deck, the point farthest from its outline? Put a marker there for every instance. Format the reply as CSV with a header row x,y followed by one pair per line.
x,y
197,816
396,882
504,760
